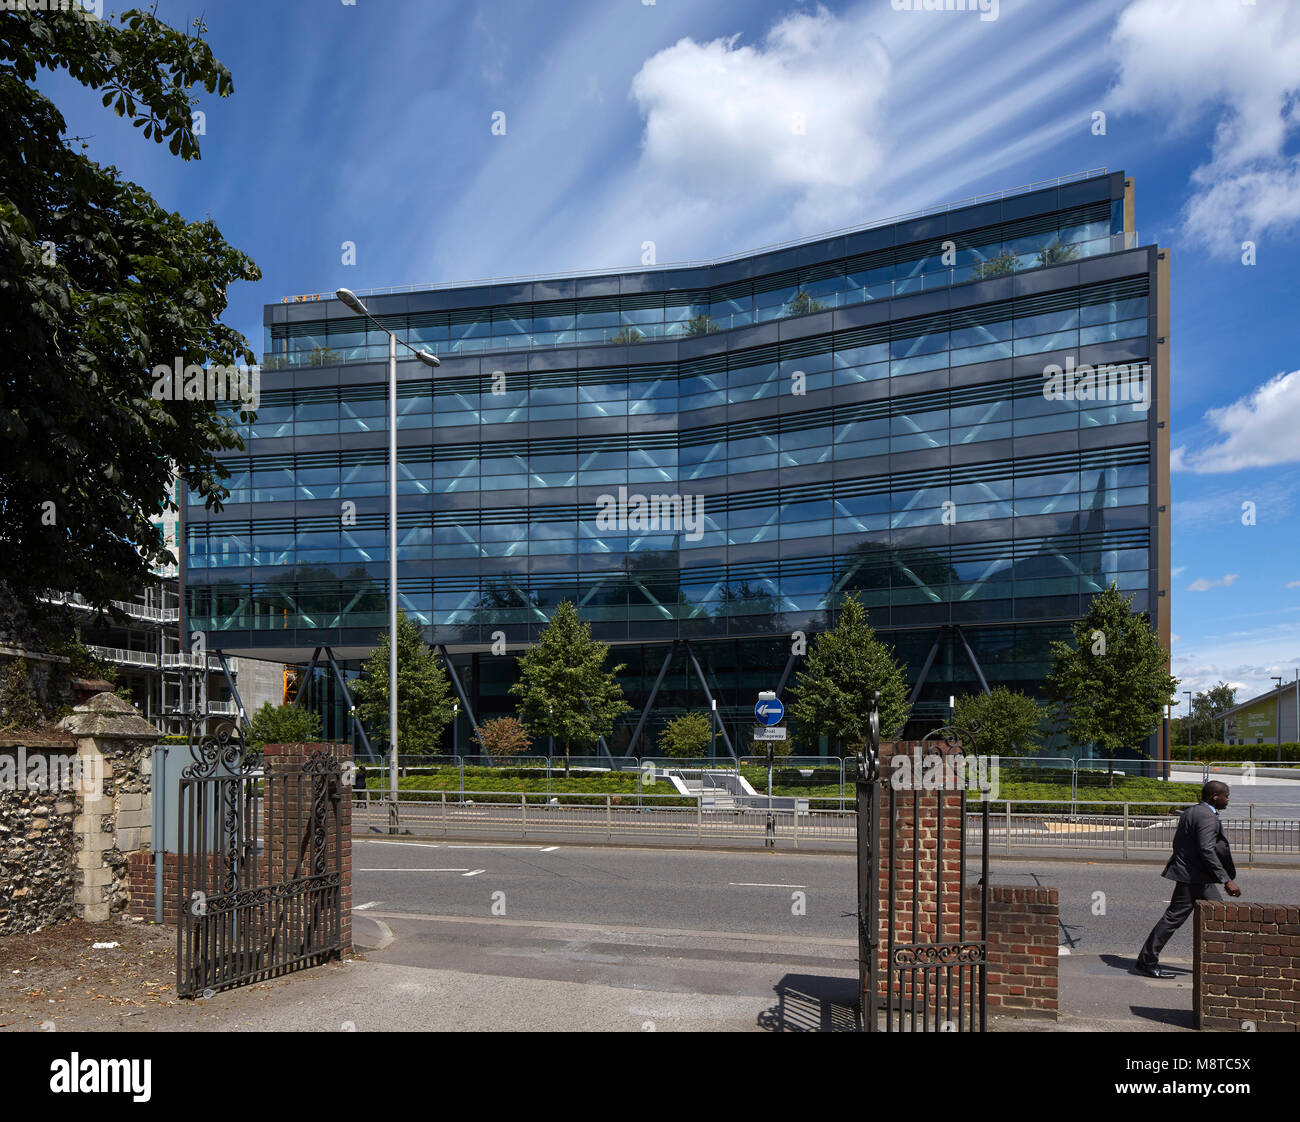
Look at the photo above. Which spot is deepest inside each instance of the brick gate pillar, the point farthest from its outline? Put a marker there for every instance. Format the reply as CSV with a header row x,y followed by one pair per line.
x,y
923,877
292,815
928,894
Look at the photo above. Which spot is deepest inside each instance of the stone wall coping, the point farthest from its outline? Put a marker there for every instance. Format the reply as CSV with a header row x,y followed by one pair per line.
x,y
108,717
51,742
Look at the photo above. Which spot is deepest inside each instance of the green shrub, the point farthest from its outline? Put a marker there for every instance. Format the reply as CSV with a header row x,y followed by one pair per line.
x,y
1235,753
282,724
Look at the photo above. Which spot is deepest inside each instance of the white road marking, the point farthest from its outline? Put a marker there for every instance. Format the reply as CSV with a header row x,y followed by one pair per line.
x,y
759,884
371,904
385,935
550,848
473,872
622,928
443,845
495,847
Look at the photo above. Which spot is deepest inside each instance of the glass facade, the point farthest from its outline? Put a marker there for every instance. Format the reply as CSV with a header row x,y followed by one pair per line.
x,y
634,317
771,444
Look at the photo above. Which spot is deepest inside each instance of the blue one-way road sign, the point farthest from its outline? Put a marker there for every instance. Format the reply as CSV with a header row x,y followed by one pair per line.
x,y
769,712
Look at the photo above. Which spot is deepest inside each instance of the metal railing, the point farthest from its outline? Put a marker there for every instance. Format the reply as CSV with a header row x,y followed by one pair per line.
x,y
632,334
151,659
135,611
937,208
1014,825
649,770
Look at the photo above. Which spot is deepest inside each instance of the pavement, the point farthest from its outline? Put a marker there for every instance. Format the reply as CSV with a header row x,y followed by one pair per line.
x,y
549,937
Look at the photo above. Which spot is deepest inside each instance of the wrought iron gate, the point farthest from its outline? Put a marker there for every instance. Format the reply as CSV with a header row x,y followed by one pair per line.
x,y
259,888
932,975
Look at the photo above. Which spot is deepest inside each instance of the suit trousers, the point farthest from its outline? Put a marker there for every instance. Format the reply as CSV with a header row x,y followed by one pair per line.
x,y
1180,907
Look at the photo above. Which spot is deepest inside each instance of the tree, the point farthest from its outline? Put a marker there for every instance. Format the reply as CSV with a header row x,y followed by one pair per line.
x,y
846,665
627,335
1056,253
423,691
701,324
1113,683
564,688
1004,263
503,736
1208,708
282,724
687,736
803,305
101,286
1003,722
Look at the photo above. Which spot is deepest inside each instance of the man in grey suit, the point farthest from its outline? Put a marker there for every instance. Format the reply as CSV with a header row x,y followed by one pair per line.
x,y
1201,860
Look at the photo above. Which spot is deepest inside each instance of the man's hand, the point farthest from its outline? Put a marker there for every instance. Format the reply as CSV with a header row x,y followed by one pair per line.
x,y
1231,888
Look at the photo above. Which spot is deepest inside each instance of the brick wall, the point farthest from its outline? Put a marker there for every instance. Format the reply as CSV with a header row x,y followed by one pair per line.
x,y
285,831
141,877
1246,966
290,816
1023,936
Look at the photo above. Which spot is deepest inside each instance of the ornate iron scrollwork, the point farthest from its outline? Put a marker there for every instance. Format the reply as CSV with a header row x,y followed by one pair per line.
x,y
952,735
938,954
215,755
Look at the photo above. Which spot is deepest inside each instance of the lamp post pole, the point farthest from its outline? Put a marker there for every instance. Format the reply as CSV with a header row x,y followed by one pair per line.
x,y
392,577
350,299
1189,725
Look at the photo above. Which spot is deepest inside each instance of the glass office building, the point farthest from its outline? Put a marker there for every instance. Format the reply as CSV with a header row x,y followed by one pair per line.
x,y
862,412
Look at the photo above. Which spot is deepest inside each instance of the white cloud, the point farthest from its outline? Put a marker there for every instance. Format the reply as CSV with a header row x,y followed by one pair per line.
x,y
1178,571
1257,430
798,115
1237,66
1201,584
1246,658
1293,584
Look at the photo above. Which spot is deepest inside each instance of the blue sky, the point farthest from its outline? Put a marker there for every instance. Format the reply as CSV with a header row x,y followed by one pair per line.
x,y
709,129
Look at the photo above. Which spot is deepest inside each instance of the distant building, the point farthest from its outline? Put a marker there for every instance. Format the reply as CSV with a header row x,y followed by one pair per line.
x,y
960,416
159,668
1271,718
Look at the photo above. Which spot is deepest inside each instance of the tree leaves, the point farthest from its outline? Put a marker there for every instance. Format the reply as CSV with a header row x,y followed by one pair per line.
x,y
1003,722
845,666
424,701
1114,682
98,284
564,688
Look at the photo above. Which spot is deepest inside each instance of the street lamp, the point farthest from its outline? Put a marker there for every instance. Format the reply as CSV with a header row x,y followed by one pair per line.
x,y
349,298
1189,725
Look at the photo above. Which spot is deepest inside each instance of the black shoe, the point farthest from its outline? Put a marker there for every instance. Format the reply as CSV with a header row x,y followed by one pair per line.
x,y
1155,971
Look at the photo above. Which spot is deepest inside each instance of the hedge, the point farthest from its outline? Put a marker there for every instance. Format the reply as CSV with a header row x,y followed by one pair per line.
x,y
1236,753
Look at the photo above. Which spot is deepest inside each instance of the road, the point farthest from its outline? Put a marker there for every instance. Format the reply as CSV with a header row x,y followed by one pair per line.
x,y
736,892
1268,794
727,927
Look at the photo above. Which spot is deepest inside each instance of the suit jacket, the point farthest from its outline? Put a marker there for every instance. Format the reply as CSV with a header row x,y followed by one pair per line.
x,y
1201,852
